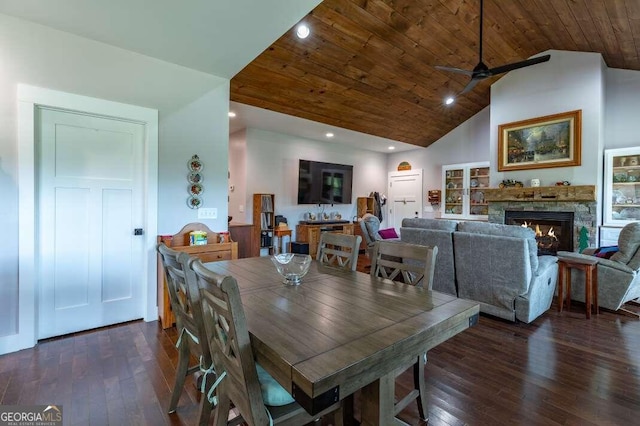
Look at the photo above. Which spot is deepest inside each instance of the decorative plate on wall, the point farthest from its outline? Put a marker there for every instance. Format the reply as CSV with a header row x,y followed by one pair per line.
x,y
195,165
194,202
195,189
195,177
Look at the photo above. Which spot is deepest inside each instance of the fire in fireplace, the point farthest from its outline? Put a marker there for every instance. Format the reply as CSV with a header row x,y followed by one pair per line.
x,y
554,230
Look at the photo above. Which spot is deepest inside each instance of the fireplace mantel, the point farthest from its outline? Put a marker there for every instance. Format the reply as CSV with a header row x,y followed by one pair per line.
x,y
541,193
580,199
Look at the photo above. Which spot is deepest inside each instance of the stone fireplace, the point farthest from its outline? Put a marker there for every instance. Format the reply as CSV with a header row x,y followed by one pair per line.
x,y
550,205
554,230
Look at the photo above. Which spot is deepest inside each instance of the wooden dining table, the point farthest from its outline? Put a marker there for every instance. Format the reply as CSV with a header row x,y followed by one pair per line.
x,y
341,331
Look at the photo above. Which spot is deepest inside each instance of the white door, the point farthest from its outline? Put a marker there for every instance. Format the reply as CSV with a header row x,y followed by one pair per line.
x,y
90,200
405,196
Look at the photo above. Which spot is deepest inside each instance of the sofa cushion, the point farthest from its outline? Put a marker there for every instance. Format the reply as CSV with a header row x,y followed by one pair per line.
x,y
440,224
498,229
444,278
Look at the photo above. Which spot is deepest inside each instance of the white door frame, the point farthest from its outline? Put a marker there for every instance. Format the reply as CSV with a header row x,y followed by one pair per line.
x,y
30,97
419,196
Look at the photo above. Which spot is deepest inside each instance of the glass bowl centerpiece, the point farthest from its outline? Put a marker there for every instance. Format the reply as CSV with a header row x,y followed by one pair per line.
x,y
292,266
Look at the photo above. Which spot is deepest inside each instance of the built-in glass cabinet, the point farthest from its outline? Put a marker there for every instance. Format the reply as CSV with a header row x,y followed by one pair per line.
x,y
621,186
463,191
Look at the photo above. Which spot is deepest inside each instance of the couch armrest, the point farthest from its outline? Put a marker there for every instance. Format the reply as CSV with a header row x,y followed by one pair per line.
x,y
615,265
544,263
601,261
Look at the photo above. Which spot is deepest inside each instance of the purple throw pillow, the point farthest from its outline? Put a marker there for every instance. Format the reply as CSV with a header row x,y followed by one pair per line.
x,y
388,233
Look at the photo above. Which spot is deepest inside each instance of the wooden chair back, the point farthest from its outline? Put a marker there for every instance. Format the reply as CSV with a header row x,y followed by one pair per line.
x,y
339,250
409,263
228,340
185,299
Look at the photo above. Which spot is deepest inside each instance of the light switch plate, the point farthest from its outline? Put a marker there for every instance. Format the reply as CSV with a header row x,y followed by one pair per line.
x,y
207,213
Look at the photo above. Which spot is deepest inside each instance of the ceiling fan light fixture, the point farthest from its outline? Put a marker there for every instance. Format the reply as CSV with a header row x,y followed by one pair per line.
x,y
481,70
449,100
303,31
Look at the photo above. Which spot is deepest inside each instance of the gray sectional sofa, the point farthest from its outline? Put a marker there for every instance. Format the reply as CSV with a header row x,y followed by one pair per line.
x,y
493,264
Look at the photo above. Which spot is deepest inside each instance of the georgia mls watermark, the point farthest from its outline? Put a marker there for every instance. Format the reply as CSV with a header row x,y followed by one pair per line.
x,y
30,415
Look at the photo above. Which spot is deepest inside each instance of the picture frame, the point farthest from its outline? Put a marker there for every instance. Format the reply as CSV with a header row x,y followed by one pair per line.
x,y
540,143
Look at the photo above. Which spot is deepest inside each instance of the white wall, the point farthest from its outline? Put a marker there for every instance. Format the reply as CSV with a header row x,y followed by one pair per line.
x,y
192,109
622,100
569,81
238,176
200,128
272,167
467,143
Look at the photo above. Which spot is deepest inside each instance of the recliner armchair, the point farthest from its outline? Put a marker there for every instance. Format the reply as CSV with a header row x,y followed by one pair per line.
x,y
370,225
618,276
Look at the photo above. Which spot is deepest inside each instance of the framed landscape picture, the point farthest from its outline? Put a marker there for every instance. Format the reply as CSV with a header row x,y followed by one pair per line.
x,y
542,142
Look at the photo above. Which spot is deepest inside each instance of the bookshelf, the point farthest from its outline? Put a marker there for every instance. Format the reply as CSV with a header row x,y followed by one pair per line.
x,y
365,205
263,224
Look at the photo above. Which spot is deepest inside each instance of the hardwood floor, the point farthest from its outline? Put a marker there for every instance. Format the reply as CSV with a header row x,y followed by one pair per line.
x,y
561,369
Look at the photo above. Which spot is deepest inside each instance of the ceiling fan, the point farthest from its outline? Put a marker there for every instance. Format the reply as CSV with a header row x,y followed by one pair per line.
x,y
481,71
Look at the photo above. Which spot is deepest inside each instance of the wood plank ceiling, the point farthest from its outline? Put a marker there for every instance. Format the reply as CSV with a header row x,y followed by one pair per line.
x,y
368,65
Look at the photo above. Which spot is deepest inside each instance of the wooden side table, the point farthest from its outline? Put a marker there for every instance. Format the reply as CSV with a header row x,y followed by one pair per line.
x,y
280,233
590,268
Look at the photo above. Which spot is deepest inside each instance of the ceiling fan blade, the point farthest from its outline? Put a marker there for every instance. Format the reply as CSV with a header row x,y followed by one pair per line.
x,y
453,69
517,65
470,85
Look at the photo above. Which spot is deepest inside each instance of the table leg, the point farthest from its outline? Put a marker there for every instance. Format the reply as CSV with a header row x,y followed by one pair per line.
x,y
587,291
560,286
276,244
568,296
594,285
376,402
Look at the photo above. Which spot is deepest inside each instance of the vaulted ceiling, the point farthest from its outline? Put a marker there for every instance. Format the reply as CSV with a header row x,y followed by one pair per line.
x,y
368,65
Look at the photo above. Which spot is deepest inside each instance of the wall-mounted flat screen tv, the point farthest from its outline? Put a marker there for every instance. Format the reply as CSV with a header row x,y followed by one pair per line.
x,y
324,183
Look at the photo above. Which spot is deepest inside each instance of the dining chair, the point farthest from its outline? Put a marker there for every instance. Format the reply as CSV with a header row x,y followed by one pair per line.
x,y
184,298
257,396
411,264
339,250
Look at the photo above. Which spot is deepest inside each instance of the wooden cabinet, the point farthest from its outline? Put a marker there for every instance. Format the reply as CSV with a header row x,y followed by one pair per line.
x,y
463,187
307,232
263,224
211,252
242,233
365,205
357,230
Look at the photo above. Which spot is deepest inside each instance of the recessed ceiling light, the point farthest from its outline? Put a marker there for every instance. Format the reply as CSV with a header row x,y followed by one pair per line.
x,y
392,148
329,135
449,100
232,114
303,31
